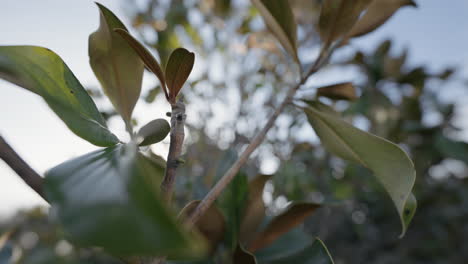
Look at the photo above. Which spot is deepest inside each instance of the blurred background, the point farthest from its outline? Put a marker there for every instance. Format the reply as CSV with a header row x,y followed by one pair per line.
x,y
412,79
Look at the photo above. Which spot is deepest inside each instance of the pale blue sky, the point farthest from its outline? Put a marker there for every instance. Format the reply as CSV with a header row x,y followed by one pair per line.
x,y
436,33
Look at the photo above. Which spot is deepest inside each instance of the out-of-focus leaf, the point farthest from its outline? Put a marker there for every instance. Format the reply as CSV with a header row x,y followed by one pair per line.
x,y
212,224
337,17
390,164
255,210
154,132
290,243
151,95
279,18
378,12
232,204
109,198
116,65
242,256
316,253
178,69
339,91
451,148
146,57
43,72
292,217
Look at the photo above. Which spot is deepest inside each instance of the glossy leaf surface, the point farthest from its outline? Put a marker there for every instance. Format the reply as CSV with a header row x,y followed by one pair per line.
x,y
178,69
316,253
390,164
109,198
43,72
146,57
116,65
337,17
378,12
279,18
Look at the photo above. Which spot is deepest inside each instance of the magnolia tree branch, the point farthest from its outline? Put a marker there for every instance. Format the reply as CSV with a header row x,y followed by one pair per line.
x,y
175,148
256,141
29,176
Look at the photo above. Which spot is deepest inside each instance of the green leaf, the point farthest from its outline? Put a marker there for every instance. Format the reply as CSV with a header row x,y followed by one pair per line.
x,y
390,164
337,17
294,215
43,72
178,69
316,253
116,65
242,256
279,18
255,211
212,224
109,198
150,62
232,204
153,132
378,12
339,91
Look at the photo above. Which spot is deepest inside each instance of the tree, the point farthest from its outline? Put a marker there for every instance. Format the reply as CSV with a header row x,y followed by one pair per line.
x,y
115,191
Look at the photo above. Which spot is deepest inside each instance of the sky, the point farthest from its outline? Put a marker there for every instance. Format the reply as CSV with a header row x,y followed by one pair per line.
x,y
436,34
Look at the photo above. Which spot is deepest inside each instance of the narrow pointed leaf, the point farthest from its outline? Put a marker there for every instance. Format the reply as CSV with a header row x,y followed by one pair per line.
x,y
339,91
154,132
178,69
43,72
378,12
279,18
145,56
337,17
292,217
211,225
390,164
109,198
116,65
255,211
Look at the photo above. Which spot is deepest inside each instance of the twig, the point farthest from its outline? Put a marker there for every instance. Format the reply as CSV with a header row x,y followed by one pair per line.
x,y
29,176
256,141
175,148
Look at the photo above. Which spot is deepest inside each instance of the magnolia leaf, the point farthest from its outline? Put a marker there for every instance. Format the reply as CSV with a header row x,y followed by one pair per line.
x,y
242,256
294,215
211,225
178,69
116,65
390,164
255,210
316,253
43,72
153,132
145,56
339,91
109,198
232,204
337,17
279,18
378,12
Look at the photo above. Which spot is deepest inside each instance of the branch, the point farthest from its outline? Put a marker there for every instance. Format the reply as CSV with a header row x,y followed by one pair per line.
x,y
29,176
256,141
175,148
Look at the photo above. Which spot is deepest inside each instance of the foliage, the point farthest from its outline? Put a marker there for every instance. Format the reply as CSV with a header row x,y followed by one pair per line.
x,y
115,191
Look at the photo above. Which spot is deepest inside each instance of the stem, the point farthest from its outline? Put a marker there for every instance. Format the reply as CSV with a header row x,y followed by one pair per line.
x,y
256,141
29,176
175,148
